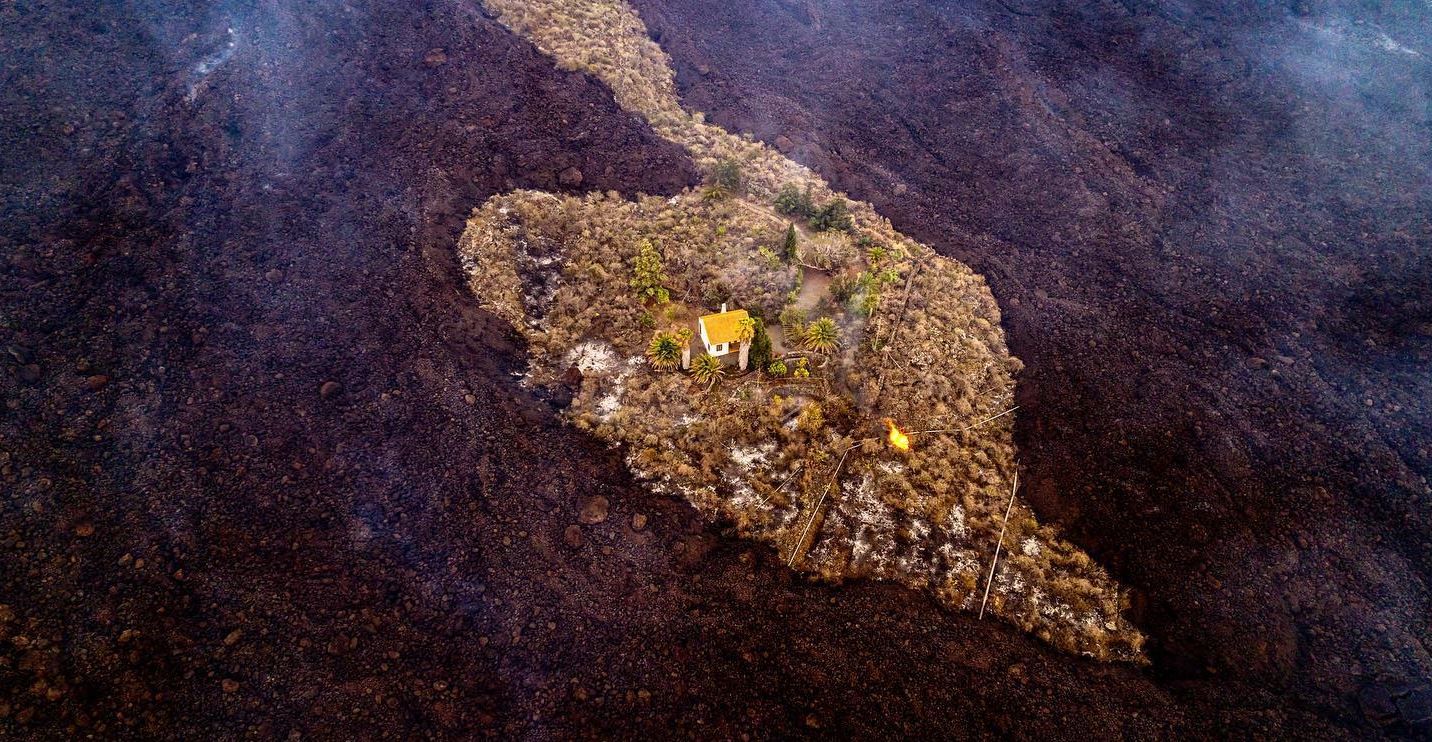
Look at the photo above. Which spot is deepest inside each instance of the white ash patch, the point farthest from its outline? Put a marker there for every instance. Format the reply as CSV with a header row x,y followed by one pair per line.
x,y
743,496
593,357
862,502
1007,583
1091,620
874,549
749,457
211,63
957,561
891,467
1030,547
914,564
1057,611
955,523
609,404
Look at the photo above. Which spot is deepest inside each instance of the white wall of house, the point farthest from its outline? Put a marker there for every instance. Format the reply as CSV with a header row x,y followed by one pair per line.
x,y
716,349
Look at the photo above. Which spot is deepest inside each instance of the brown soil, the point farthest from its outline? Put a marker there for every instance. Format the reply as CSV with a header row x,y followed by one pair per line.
x,y
1209,232
266,470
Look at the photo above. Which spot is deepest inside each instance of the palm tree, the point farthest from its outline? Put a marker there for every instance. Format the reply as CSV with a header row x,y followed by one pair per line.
x,y
822,335
683,336
664,351
745,330
706,368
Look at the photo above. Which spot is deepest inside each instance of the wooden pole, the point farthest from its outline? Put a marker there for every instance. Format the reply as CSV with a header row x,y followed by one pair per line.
x,y
990,581
795,550
967,427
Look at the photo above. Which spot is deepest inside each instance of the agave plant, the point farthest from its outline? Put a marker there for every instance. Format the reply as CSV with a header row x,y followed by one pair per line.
x,y
822,336
706,368
664,351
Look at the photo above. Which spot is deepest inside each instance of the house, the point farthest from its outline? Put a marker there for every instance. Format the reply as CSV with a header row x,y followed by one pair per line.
x,y
721,333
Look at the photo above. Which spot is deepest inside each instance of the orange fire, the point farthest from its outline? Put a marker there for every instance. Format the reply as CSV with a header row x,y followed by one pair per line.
x,y
897,437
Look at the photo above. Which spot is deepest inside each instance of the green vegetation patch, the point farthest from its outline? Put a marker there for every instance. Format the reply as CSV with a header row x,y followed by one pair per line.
x,y
792,450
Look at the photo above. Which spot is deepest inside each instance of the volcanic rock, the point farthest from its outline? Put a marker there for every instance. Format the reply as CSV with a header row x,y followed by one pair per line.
x,y
593,510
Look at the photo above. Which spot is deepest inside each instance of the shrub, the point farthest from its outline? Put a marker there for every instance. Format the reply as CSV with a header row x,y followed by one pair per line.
x,y
802,370
727,175
648,279
811,418
793,321
869,300
777,368
714,293
793,201
844,286
828,252
834,215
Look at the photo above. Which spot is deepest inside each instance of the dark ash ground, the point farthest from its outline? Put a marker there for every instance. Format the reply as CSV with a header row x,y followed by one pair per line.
x,y
1209,233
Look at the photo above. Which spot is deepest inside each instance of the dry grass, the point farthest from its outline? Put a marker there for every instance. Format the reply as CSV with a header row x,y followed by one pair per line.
x,y
760,452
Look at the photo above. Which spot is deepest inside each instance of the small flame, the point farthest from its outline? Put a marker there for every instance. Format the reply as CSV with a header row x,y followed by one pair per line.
x,y
897,437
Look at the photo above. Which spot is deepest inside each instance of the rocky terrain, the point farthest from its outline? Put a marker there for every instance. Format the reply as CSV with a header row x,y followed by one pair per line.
x,y
267,470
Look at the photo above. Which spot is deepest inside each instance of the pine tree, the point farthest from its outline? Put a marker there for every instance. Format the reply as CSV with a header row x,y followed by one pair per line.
x,y
760,346
789,250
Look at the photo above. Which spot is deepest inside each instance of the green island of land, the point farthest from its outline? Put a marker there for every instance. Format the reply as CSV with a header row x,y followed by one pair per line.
x,y
835,327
